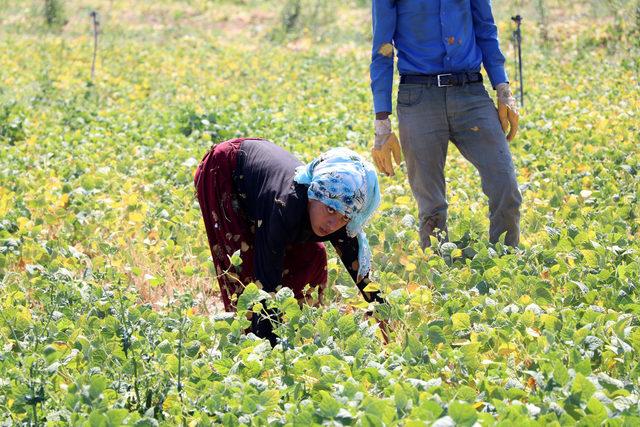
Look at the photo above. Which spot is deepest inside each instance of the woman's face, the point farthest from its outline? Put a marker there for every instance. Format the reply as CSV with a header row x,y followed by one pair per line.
x,y
325,220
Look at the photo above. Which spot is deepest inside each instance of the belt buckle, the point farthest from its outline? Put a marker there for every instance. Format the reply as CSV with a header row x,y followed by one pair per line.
x,y
441,75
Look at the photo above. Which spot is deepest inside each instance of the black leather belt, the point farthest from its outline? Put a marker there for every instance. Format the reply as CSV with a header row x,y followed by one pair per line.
x,y
441,80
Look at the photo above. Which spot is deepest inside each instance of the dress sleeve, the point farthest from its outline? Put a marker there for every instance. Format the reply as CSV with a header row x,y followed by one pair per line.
x,y
269,251
347,249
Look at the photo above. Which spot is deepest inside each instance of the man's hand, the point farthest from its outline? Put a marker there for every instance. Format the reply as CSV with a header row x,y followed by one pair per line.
x,y
386,143
507,110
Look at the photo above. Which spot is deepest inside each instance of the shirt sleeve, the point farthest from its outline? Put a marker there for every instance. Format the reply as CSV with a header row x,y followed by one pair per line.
x,y
381,69
487,39
347,249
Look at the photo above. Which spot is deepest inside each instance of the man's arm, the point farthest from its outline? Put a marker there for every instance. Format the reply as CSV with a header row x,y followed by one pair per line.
x,y
381,69
487,39
493,61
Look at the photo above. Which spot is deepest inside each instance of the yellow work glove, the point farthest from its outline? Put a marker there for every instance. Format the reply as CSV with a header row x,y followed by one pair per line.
x,y
507,110
386,143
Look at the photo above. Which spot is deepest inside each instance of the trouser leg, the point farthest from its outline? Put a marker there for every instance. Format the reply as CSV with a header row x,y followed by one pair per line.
x,y
424,137
476,131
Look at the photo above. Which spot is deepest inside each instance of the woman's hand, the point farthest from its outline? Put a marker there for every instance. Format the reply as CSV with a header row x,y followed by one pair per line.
x,y
262,325
383,325
384,329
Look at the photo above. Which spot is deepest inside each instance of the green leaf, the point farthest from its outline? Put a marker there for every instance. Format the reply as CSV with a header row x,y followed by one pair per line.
x,y
115,417
235,259
328,406
379,409
466,393
435,334
230,420
96,419
290,309
400,397
560,372
257,307
428,410
634,339
164,347
470,355
249,403
347,325
582,387
551,322
147,422
597,410
269,399
583,367
414,348
542,295
347,292
250,296
97,384
463,413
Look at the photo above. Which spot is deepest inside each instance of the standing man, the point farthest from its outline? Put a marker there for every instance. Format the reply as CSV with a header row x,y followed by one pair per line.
x,y
441,45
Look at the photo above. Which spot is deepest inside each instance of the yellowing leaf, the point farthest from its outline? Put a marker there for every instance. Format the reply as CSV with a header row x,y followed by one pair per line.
x,y
525,300
412,286
403,200
136,217
460,321
372,287
507,348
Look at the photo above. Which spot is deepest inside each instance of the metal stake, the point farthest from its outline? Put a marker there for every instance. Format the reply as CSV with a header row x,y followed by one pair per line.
x,y
517,36
94,17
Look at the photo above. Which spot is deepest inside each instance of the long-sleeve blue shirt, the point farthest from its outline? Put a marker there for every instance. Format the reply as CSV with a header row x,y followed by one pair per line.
x,y
432,37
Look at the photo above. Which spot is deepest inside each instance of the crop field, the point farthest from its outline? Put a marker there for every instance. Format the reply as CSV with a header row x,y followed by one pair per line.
x,y
109,310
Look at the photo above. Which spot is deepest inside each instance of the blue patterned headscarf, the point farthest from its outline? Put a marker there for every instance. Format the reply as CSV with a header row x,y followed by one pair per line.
x,y
342,180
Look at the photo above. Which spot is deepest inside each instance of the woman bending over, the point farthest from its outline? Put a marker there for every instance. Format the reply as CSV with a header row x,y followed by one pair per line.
x,y
257,198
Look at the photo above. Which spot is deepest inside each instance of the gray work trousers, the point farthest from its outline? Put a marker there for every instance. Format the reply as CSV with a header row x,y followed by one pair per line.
x,y
430,117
